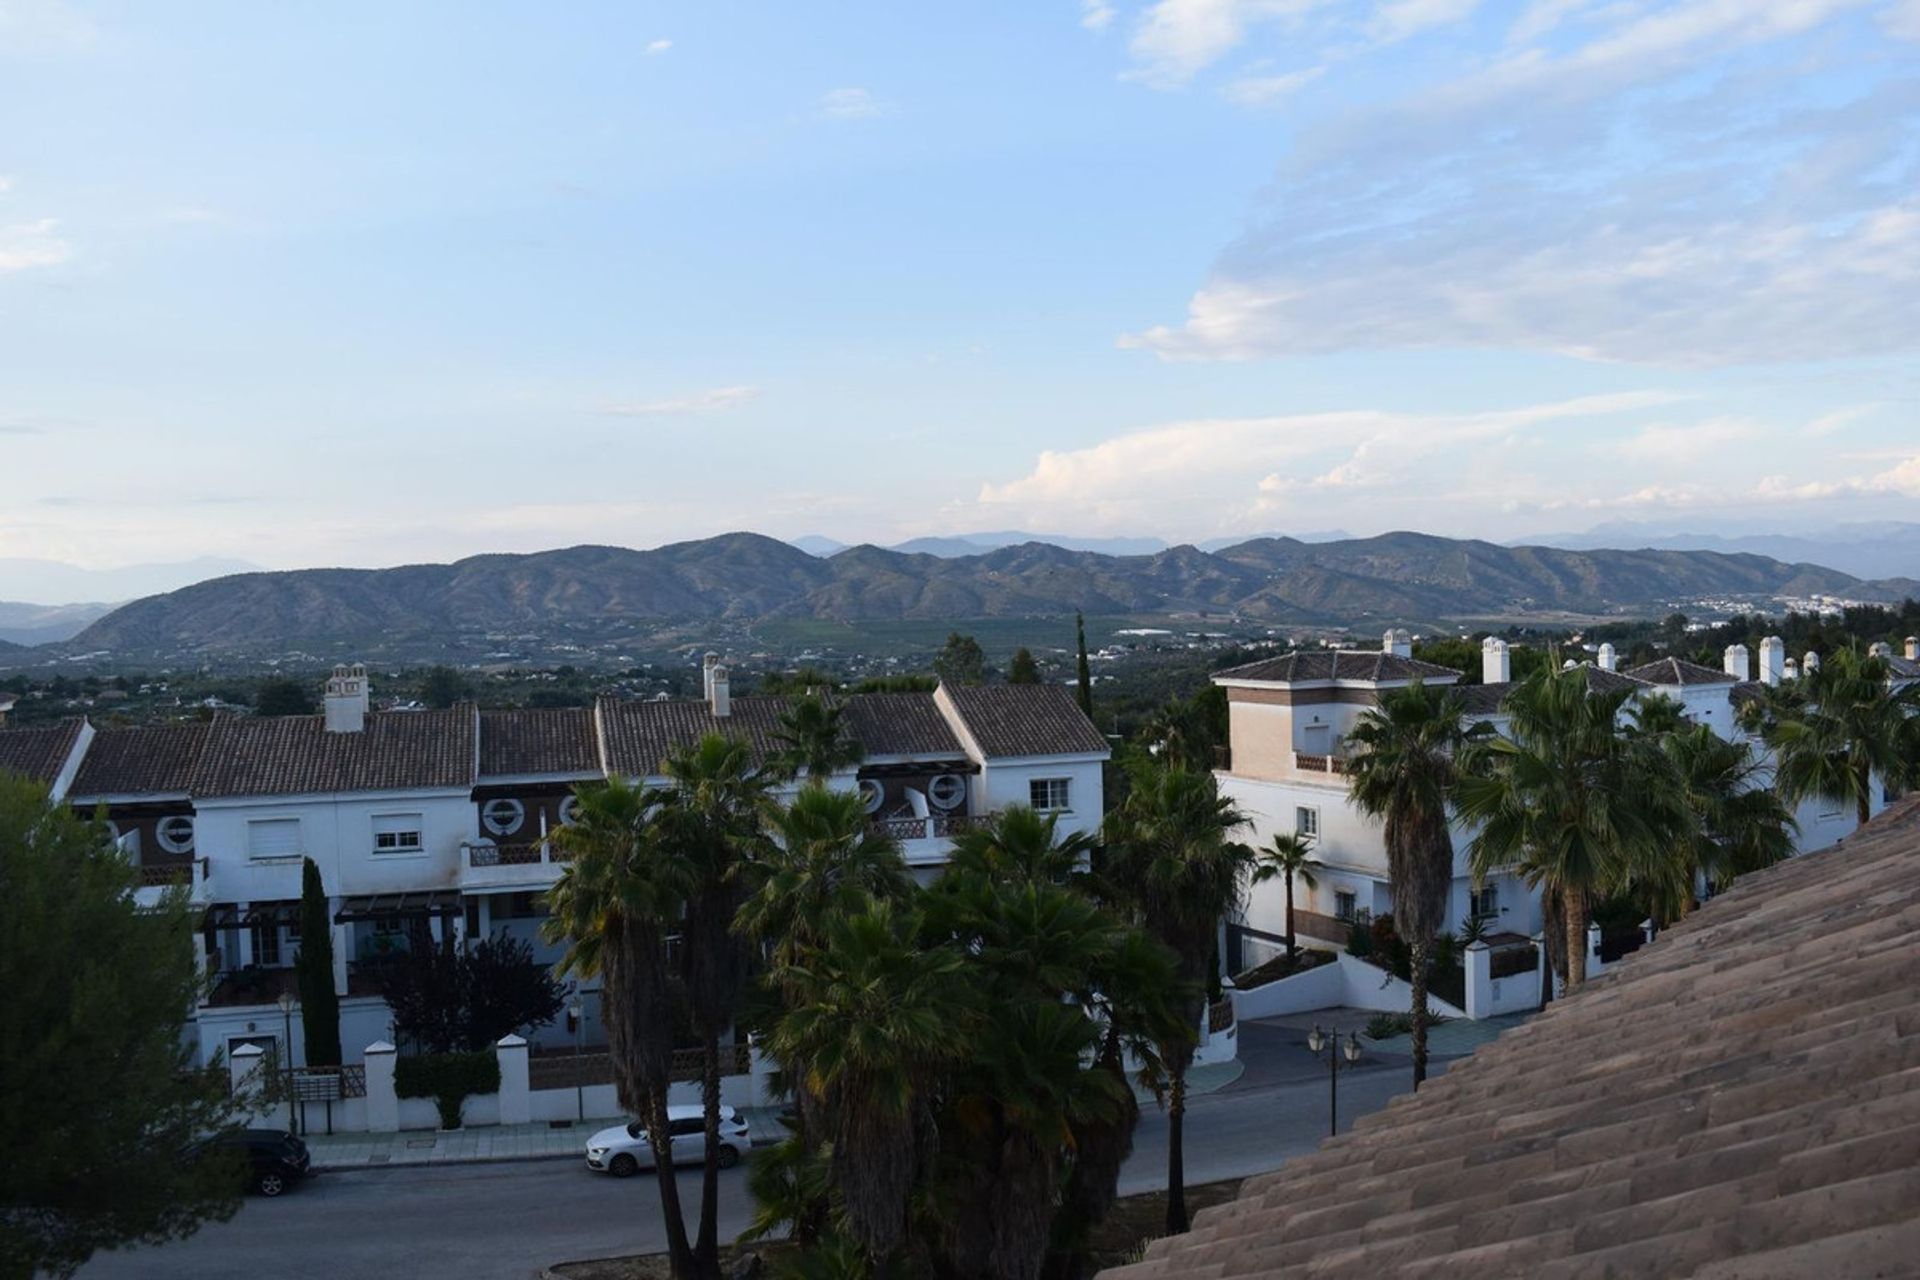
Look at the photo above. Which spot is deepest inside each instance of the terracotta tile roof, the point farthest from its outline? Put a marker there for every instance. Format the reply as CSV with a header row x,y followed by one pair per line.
x,y
41,752
288,755
538,740
640,735
1485,699
1678,671
1025,720
1740,1098
900,724
156,759
1365,666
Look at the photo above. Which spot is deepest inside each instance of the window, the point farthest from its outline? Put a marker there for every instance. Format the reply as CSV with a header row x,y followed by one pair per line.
x,y
175,834
569,809
1050,795
872,795
266,945
1306,822
273,838
397,833
947,791
686,1128
1485,902
502,817
1344,904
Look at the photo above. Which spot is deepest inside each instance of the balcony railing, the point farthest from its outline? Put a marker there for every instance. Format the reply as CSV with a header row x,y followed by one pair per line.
x,y
937,826
537,853
1319,764
192,874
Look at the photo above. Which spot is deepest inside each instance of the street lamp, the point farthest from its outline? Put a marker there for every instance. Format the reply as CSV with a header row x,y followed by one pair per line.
x,y
576,1012
286,1019
1329,1042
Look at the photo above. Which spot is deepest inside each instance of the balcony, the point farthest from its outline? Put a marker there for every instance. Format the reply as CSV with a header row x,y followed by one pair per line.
x,y
532,865
156,878
926,840
1319,764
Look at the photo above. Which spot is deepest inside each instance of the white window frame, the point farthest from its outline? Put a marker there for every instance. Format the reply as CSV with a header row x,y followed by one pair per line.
x,y
257,825
494,828
1306,821
1487,896
568,810
955,788
161,838
400,824
1353,910
1065,793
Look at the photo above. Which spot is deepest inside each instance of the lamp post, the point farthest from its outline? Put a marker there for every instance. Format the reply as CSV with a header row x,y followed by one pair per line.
x,y
286,1019
1329,1042
576,1014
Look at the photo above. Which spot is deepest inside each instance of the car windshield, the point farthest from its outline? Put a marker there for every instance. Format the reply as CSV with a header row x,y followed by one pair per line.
x,y
636,1130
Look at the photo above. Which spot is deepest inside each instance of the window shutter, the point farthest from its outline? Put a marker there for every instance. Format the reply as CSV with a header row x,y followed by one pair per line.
x,y
273,838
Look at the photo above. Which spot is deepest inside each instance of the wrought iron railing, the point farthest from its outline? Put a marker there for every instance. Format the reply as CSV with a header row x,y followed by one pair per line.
x,y
1220,1015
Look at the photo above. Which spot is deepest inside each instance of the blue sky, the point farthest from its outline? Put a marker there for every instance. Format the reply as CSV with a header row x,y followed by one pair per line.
x,y
376,283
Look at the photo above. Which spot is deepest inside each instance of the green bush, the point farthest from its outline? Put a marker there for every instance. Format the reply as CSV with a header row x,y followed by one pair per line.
x,y
449,1079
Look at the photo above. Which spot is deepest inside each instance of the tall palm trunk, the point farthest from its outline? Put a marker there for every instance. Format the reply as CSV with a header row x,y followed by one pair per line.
x,y
1576,918
1863,792
1176,1150
706,1248
1417,953
1290,947
680,1259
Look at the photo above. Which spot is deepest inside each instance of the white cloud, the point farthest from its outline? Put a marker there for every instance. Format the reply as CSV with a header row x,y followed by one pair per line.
x,y
1177,39
1900,480
1402,18
657,47
1096,15
1683,445
1260,91
851,104
1828,423
32,244
30,28
1902,19
720,398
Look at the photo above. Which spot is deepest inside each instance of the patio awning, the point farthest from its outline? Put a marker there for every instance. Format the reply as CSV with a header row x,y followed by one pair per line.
x,y
391,906
228,915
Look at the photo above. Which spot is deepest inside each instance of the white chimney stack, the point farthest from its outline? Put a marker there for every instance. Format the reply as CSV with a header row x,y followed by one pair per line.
x,y
348,698
1791,671
1810,663
717,699
1773,659
1398,642
1609,660
707,665
1880,649
1913,648
1736,662
1496,664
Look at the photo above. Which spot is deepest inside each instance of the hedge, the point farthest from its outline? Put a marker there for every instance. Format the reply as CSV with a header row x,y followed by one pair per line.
x,y
449,1079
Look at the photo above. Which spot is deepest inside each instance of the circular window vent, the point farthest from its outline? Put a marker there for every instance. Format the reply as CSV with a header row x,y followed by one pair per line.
x,y
503,817
872,795
175,834
948,791
569,810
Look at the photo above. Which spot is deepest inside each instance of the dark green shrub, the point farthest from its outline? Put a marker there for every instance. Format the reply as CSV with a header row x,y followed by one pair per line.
x,y
449,1079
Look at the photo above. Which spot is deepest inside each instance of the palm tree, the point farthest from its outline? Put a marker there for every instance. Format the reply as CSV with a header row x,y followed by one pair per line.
x,y
1568,799
815,740
619,896
1739,824
1021,843
1288,857
874,1019
1172,860
712,821
1402,773
1836,727
825,861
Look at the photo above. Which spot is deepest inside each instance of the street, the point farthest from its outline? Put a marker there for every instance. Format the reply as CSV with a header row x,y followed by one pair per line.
x,y
510,1219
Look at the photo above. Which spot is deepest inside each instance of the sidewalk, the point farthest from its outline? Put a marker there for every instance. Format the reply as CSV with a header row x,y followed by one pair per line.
x,y
485,1143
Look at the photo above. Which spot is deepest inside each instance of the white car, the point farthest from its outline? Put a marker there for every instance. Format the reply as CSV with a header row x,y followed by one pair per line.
x,y
624,1150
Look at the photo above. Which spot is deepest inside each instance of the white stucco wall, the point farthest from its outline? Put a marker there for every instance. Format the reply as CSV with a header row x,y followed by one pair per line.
x,y
337,833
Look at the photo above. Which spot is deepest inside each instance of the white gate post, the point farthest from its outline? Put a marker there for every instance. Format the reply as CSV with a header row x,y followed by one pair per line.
x,y
516,1100
383,1104
1479,980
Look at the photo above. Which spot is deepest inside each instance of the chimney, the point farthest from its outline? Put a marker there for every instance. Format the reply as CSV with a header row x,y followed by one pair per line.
x,y
1398,642
348,696
1736,662
1810,663
1609,660
707,665
1913,648
1791,671
717,699
1773,659
1496,665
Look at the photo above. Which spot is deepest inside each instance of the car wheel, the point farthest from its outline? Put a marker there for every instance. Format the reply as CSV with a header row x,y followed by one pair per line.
x,y
270,1184
729,1157
623,1166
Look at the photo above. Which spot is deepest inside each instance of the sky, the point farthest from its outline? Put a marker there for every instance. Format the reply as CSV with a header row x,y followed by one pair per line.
x,y
371,283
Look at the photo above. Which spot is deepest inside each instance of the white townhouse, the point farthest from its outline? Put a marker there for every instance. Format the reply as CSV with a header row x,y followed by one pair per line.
x,y
434,824
1289,717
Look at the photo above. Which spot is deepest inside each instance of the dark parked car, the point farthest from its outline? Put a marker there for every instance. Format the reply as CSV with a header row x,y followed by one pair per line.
x,y
272,1158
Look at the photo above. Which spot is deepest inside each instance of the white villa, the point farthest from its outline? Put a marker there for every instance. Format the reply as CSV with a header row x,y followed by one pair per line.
x,y
1288,718
430,823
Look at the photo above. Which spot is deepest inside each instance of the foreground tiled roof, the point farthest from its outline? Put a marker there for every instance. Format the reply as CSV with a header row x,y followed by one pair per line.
x,y
638,736
39,753
1739,1099
1367,666
286,755
140,760
1025,720
900,724
1672,671
538,740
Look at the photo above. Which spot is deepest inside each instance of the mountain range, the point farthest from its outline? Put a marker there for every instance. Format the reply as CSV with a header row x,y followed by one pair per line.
x,y
1866,549
744,577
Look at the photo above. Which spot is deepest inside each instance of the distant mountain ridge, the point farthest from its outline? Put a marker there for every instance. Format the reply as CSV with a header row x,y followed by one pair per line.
x,y
1401,577
1880,549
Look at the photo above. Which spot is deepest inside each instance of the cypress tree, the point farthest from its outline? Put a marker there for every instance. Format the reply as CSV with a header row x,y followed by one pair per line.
x,y
313,968
1081,668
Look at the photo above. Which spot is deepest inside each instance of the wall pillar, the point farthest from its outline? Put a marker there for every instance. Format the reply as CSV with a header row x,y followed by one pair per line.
x,y
242,939
516,1097
1595,965
1479,980
383,1104
342,953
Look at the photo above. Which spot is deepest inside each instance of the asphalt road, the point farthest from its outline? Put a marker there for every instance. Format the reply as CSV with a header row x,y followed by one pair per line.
x,y
509,1220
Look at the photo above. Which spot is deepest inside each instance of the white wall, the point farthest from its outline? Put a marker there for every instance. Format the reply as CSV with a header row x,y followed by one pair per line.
x,y
1005,782
1347,982
337,833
